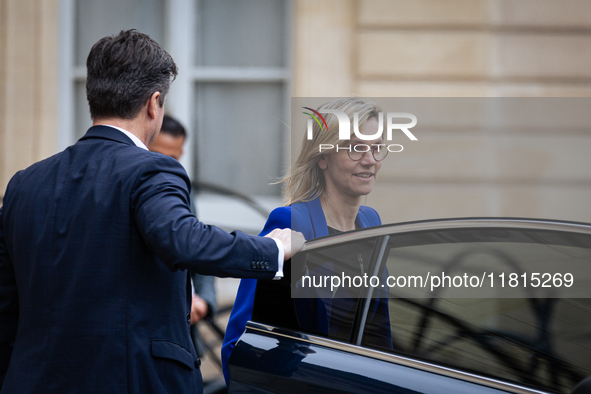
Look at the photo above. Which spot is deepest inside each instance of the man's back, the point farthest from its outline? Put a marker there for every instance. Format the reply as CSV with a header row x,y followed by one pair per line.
x,y
98,311
94,243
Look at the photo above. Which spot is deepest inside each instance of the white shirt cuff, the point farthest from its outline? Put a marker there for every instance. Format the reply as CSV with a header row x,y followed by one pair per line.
x,y
279,273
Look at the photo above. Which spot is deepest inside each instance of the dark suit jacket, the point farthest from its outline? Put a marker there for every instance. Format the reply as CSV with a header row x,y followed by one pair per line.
x,y
94,296
307,218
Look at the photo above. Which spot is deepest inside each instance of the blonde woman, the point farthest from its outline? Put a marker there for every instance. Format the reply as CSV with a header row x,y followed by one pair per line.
x,y
323,194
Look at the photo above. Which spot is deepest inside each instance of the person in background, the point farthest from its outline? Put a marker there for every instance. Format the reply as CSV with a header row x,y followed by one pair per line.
x,y
323,193
170,142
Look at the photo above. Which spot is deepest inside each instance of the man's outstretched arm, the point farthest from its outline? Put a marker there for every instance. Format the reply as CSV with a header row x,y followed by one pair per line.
x,y
160,202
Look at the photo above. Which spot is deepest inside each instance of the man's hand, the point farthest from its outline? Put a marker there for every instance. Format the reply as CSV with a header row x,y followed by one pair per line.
x,y
199,309
293,241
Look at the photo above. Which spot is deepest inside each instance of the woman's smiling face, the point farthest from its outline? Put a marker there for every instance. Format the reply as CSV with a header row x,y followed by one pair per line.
x,y
348,178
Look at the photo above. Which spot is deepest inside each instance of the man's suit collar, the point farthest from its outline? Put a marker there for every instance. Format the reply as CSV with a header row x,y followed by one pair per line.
x,y
108,133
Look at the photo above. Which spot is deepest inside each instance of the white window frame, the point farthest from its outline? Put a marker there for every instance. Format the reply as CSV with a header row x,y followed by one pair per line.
x,y
179,39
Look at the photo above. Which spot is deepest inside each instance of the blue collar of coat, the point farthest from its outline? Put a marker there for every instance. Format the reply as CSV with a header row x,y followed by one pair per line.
x,y
107,133
312,213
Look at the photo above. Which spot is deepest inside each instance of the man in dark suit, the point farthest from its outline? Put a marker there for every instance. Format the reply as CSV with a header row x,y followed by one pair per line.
x,y
96,240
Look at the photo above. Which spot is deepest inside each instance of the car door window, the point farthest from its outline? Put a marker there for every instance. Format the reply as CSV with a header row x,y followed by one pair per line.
x,y
311,305
540,342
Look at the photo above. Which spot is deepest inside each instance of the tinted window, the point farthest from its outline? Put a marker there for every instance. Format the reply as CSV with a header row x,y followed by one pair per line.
x,y
538,342
316,309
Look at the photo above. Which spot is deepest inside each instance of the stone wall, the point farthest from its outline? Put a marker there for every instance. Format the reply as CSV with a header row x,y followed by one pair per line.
x,y
28,83
460,48
420,48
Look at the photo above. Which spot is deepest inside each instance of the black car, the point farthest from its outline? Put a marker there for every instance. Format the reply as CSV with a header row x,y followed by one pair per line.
x,y
527,330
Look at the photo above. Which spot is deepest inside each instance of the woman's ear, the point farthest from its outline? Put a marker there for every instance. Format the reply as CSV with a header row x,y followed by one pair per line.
x,y
323,163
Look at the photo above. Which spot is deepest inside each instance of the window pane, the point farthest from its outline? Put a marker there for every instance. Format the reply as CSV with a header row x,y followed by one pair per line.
x,y
542,342
241,33
240,136
97,19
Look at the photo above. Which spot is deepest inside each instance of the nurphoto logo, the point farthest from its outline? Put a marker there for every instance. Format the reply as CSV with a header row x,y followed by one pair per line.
x,y
345,127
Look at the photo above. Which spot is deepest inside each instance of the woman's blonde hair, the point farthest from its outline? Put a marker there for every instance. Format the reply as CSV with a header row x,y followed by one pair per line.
x,y
305,181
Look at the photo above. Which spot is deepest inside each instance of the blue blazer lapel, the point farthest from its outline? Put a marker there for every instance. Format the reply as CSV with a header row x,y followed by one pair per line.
x,y
367,217
309,218
361,220
317,218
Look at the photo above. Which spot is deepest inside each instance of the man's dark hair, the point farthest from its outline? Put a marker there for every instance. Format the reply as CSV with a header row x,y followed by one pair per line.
x,y
123,73
172,127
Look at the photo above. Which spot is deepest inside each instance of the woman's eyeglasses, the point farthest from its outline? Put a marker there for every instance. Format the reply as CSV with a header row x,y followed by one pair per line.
x,y
357,151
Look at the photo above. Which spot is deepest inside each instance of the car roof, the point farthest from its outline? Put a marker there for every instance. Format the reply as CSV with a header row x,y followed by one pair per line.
x,y
450,223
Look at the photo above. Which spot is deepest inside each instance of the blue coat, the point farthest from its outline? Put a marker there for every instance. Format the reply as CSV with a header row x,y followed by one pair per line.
x,y
94,293
307,218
